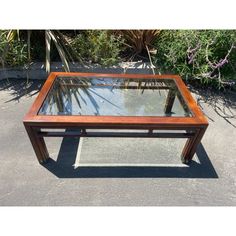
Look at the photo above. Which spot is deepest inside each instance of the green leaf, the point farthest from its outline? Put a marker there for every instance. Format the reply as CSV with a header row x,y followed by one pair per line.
x,y
48,49
60,50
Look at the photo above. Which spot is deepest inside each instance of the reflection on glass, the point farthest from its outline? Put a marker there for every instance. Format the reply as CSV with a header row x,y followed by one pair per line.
x,y
114,97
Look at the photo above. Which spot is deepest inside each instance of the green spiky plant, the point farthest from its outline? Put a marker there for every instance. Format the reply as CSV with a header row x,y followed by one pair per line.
x,y
140,42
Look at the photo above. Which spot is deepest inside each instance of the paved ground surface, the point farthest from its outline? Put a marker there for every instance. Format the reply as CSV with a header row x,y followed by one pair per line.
x,y
209,180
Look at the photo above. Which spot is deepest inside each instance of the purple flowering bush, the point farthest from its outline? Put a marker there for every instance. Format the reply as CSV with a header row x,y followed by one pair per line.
x,y
207,56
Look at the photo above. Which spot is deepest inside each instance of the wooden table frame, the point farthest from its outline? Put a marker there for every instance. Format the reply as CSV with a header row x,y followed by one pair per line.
x,y
192,128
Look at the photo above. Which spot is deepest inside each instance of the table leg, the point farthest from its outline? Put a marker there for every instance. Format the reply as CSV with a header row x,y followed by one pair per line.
x,y
169,101
191,145
38,144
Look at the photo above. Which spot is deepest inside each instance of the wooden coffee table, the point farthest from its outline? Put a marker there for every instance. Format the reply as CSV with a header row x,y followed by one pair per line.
x,y
114,105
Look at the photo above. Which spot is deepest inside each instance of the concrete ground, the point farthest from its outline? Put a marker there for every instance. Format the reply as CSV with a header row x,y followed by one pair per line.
x,y
107,172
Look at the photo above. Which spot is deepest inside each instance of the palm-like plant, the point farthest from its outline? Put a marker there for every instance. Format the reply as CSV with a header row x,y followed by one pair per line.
x,y
139,40
59,42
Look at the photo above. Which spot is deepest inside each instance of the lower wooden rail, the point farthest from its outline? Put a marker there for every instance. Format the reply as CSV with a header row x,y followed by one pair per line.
x,y
114,134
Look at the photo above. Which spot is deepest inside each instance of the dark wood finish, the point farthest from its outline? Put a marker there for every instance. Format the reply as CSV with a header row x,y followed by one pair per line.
x,y
195,125
38,143
170,101
191,145
114,134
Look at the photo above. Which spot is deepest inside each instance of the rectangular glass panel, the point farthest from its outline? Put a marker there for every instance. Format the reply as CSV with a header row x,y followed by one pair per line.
x,y
114,97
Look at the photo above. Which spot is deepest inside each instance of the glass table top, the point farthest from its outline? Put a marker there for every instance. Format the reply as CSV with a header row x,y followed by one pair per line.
x,y
97,96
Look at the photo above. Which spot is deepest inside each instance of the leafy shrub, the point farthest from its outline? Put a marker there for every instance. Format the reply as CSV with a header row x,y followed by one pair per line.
x,y
12,52
99,46
206,55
